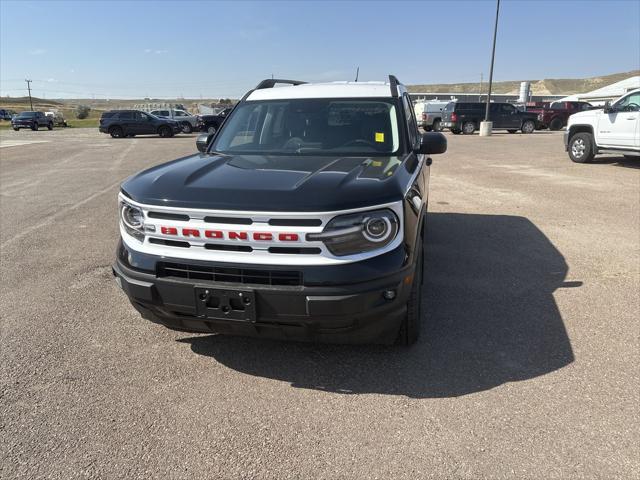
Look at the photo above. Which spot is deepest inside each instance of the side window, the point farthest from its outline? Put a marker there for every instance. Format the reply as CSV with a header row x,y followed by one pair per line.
x,y
509,109
412,126
630,103
179,114
125,116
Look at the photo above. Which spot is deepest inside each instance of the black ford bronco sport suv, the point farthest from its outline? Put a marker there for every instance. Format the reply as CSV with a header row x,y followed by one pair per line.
x,y
302,217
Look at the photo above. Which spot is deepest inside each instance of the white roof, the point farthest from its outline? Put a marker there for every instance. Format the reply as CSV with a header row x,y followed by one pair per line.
x,y
612,91
325,90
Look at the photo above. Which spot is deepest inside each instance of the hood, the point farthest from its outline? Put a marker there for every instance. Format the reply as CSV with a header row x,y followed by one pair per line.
x,y
271,183
585,115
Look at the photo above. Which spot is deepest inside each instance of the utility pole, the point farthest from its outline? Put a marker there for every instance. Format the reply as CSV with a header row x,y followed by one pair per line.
x,y
480,91
29,88
486,131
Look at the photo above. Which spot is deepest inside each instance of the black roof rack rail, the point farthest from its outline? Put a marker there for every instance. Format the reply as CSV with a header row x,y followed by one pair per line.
x,y
271,82
394,82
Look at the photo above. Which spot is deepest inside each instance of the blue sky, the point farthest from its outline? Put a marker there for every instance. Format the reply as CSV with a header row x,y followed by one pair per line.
x,y
175,48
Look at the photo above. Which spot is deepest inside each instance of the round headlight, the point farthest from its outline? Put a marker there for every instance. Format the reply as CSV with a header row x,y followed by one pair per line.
x,y
377,229
132,216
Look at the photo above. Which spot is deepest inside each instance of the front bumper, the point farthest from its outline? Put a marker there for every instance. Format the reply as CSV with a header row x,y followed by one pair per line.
x,y
332,313
22,124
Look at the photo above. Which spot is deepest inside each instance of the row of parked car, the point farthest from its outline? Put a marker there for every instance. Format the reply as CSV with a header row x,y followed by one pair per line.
x,y
166,123
465,117
34,120
590,131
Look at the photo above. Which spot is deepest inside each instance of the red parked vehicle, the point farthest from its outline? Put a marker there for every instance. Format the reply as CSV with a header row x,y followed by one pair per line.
x,y
556,115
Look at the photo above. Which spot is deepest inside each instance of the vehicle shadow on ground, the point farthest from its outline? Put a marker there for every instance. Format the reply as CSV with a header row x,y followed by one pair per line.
x,y
618,161
490,318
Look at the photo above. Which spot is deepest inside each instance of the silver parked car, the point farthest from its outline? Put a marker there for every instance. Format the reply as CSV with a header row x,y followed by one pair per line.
x,y
185,119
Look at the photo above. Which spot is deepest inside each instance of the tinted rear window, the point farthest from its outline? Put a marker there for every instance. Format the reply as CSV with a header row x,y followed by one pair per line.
x,y
109,115
470,106
27,115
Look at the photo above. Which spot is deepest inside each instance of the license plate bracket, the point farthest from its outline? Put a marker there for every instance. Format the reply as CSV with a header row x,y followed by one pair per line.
x,y
225,304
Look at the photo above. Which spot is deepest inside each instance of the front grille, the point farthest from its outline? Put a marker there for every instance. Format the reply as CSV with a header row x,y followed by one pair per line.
x,y
229,220
168,216
231,275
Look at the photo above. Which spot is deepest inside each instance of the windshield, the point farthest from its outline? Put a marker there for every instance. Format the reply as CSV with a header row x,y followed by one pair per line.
x,y
311,127
26,114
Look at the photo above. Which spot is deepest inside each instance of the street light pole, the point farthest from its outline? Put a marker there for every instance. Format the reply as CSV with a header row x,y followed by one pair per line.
x,y
487,127
29,88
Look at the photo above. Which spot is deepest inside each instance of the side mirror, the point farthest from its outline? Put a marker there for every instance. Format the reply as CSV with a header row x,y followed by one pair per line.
x,y
607,107
432,143
203,141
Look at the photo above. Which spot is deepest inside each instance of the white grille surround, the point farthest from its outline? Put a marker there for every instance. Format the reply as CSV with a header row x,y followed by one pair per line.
x,y
260,253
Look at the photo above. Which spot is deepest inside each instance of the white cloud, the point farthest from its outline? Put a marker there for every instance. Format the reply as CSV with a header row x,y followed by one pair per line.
x,y
51,80
148,50
37,51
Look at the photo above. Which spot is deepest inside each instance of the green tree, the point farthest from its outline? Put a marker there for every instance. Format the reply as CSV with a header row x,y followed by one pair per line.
x,y
82,111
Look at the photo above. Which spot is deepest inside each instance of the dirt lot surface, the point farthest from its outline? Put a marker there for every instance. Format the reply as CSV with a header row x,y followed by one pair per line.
x,y
527,367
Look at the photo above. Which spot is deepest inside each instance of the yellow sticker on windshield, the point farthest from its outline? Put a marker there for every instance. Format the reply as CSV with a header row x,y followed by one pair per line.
x,y
379,137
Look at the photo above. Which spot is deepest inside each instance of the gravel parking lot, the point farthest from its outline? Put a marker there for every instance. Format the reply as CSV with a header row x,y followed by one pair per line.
x,y
527,367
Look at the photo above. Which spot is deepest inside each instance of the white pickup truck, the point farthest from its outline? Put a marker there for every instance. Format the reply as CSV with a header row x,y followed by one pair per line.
x,y
612,129
185,119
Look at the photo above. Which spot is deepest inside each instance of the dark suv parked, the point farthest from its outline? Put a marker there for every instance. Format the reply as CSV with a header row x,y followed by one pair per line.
x,y
465,117
211,123
129,123
32,120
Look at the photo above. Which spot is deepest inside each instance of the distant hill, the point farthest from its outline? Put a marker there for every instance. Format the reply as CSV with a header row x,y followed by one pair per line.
x,y
548,86
25,101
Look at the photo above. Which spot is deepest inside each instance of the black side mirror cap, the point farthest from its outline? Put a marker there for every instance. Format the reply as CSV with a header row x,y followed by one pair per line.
x,y
203,140
432,143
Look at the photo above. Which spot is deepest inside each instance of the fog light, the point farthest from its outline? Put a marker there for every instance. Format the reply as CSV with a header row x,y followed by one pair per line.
x,y
389,294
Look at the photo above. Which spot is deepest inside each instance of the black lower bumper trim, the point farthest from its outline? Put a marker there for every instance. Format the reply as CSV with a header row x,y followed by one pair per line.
x,y
357,313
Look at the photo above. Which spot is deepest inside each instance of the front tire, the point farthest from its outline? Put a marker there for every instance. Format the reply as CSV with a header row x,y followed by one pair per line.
x,y
555,125
581,148
116,132
165,132
456,131
187,128
50,126
468,128
528,126
437,127
34,127
410,328
16,129
512,130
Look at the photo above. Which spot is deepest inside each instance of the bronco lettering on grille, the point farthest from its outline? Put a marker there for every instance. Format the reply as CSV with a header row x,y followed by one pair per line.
x,y
229,235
